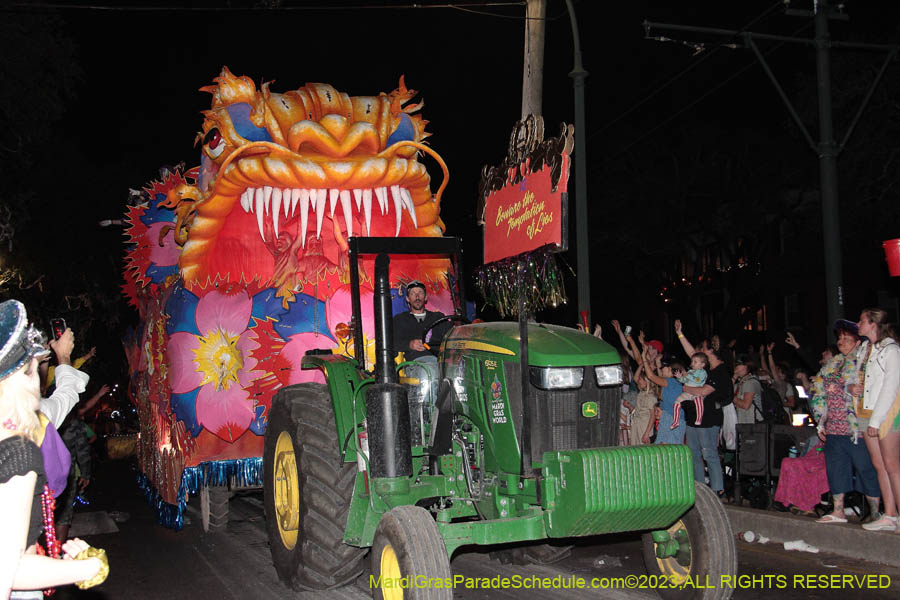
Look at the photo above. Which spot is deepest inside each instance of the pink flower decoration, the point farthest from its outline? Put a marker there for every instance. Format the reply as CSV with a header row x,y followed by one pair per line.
x,y
296,348
219,362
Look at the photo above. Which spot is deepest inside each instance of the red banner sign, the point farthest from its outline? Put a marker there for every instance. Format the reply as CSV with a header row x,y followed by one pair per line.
x,y
526,215
522,201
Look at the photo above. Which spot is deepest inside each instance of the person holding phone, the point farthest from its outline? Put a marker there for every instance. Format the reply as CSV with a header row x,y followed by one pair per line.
x,y
22,479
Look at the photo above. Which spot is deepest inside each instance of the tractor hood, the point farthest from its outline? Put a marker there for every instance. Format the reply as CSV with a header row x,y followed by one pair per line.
x,y
548,345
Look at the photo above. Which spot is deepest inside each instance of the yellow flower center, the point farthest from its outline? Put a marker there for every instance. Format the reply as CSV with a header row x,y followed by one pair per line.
x,y
219,359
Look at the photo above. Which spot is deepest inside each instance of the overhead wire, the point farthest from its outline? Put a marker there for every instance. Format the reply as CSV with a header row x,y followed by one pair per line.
x,y
305,7
686,70
708,93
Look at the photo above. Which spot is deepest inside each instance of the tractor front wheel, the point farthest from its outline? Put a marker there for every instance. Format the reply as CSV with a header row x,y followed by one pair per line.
x,y
308,489
706,555
409,548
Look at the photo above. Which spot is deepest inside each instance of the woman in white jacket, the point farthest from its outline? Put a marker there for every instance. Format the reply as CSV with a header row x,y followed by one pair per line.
x,y
880,358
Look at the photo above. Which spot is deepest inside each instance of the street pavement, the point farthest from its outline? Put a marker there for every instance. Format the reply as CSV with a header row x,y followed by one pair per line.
x,y
149,562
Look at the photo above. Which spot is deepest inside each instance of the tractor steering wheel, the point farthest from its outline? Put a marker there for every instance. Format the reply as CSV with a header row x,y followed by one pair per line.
x,y
453,317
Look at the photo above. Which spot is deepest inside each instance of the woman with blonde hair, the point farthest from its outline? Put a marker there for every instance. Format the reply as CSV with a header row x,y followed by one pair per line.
x,y
878,408
24,498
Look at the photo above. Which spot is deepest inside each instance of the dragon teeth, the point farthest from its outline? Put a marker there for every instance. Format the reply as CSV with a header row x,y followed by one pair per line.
x,y
408,203
276,209
259,214
348,214
381,194
367,209
281,203
321,195
332,200
295,197
398,207
303,197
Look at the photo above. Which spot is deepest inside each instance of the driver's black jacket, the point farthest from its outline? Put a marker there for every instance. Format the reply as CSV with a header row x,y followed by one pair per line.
x,y
408,328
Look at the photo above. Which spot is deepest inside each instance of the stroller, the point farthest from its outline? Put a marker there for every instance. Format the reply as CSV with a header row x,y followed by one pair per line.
x,y
757,462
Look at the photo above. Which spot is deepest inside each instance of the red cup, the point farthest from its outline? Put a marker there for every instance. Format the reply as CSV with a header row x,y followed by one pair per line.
x,y
892,256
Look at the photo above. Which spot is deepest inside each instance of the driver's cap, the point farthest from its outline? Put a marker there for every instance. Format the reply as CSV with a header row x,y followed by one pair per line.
x,y
415,283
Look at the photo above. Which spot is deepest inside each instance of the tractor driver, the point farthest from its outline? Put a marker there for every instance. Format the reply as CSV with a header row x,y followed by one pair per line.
x,y
408,329
410,325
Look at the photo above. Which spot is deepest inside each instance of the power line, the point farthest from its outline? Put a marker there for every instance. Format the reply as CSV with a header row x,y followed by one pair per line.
x,y
684,71
310,8
689,106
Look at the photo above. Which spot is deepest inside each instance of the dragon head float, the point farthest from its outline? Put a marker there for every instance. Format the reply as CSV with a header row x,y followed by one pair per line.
x,y
304,170
239,265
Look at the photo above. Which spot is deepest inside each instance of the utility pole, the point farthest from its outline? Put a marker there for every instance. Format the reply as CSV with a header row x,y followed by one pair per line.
x,y
579,163
533,67
828,151
826,148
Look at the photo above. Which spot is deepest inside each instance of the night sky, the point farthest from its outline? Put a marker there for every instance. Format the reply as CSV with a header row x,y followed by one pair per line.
x,y
135,104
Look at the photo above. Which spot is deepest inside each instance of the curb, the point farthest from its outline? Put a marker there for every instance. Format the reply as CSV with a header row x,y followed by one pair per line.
x,y
844,539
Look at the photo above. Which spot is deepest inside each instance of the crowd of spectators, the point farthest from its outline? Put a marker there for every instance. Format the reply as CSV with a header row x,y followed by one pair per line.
x,y
703,393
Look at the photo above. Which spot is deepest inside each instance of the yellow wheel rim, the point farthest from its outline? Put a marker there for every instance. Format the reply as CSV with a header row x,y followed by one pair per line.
x,y
390,571
670,567
287,490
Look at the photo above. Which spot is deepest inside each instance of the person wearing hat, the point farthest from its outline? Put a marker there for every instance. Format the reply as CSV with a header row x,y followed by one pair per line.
x,y
23,497
839,427
409,326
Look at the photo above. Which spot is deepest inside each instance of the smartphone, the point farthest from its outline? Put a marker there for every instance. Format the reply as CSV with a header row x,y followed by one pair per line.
x,y
627,330
57,327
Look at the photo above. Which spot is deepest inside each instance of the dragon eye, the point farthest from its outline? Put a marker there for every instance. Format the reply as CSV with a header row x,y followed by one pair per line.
x,y
214,142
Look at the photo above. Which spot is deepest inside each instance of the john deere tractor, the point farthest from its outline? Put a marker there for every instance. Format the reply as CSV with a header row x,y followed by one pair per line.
x,y
495,452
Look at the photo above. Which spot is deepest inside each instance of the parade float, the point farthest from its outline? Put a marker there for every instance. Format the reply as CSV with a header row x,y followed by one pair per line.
x,y
239,266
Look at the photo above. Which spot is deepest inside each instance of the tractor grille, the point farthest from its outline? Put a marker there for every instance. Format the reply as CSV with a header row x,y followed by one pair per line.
x,y
557,422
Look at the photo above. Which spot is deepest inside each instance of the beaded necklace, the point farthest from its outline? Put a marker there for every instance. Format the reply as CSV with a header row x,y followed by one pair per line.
x,y
54,547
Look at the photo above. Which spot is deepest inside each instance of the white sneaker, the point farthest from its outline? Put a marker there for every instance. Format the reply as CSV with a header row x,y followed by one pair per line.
x,y
885,523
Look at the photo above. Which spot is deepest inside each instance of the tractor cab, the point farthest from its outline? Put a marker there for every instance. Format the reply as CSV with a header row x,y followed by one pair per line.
x,y
422,376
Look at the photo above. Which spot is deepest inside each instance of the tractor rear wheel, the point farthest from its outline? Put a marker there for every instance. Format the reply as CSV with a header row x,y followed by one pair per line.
x,y
308,489
408,547
706,554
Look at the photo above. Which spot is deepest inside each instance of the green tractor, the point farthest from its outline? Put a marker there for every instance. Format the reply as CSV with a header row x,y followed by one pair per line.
x,y
509,453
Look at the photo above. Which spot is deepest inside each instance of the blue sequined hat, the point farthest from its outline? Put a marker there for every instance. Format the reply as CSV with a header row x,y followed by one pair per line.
x,y
19,341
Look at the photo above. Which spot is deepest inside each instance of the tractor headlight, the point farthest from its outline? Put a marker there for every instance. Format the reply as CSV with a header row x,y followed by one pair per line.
x,y
608,375
555,378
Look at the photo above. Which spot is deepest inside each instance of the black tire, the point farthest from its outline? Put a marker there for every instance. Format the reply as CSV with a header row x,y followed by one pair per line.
x,y
532,554
214,508
318,559
411,533
712,553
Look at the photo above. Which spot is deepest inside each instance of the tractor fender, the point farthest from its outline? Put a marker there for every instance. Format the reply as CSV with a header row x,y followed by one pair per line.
x,y
345,382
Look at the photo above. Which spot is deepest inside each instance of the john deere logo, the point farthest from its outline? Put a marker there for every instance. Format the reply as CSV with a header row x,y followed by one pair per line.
x,y
589,409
